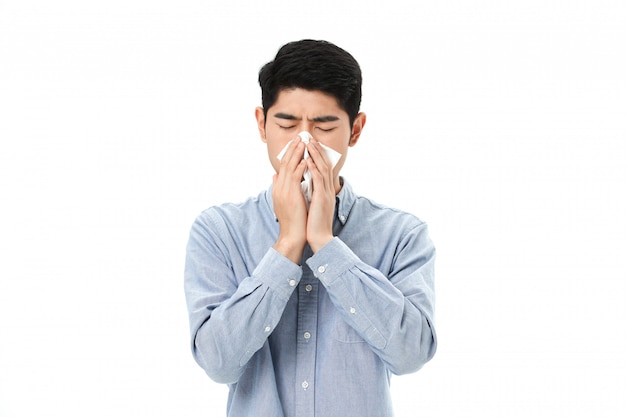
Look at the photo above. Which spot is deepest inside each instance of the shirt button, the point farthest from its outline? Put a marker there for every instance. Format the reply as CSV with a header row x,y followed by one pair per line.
x,y
342,218
352,310
307,335
308,288
305,385
321,269
267,329
292,282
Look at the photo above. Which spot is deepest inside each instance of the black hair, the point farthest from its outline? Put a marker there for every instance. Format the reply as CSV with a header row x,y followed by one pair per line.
x,y
313,65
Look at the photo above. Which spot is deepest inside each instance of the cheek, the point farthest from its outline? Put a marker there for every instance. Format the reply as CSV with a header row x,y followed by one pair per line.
x,y
273,160
278,138
274,147
337,142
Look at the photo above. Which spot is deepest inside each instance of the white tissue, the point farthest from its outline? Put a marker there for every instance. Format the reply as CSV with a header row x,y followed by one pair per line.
x,y
332,155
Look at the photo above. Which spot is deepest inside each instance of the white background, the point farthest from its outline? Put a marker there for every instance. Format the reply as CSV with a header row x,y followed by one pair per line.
x,y
500,123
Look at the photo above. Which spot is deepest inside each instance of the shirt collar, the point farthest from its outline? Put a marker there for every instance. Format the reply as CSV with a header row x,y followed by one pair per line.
x,y
344,201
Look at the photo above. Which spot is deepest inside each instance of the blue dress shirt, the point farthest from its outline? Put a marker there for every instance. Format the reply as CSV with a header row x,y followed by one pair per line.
x,y
317,339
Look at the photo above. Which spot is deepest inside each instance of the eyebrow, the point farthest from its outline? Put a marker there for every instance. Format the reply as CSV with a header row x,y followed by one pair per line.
x,y
320,119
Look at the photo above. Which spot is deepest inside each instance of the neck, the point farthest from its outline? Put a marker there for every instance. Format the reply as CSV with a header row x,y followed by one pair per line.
x,y
338,184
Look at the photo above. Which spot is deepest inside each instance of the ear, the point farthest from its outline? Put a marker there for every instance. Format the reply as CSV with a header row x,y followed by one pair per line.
x,y
260,121
357,128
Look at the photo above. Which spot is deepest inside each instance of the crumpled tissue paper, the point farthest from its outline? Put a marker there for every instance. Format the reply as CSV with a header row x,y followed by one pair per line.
x,y
333,156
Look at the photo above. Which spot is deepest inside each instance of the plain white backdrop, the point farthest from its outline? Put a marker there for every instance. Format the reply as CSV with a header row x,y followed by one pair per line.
x,y
500,123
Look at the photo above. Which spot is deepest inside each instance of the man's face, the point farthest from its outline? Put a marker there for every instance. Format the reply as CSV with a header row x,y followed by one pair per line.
x,y
318,113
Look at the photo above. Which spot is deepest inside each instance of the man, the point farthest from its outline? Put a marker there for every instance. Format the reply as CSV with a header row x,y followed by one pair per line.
x,y
306,308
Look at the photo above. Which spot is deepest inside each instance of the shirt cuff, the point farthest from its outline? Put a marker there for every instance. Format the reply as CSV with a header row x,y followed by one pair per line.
x,y
332,260
279,273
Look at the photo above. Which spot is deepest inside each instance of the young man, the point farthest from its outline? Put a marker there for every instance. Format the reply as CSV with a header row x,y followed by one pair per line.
x,y
306,308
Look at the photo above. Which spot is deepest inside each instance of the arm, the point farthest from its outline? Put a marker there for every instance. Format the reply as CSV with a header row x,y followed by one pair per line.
x,y
231,317
393,314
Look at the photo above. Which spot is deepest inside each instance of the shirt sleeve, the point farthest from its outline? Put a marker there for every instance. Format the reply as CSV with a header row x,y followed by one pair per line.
x,y
394,314
231,316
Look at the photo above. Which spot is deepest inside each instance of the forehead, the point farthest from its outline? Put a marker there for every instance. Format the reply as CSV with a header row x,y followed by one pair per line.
x,y
305,101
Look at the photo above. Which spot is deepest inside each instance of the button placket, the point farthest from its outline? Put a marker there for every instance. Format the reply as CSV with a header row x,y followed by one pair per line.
x,y
306,343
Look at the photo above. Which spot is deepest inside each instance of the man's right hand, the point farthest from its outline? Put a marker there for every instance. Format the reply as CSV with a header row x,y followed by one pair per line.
x,y
289,204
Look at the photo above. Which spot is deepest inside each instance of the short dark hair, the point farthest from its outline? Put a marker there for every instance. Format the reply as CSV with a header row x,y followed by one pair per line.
x,y
313,65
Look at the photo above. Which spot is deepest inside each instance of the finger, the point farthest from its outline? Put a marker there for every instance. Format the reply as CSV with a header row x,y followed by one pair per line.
x,y
294,154
288,180
322,163
299,170
321,182
318,155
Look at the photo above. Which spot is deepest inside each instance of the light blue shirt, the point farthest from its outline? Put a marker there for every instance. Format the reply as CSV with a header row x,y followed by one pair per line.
x,y
317,339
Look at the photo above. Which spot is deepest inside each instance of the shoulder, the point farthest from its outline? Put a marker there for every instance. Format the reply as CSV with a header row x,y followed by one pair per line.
x,y
374,218
244,207
374,211
397,227
227,216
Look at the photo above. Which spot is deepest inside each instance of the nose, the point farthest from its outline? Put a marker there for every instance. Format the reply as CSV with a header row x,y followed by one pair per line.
x,y
305,135
306,126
